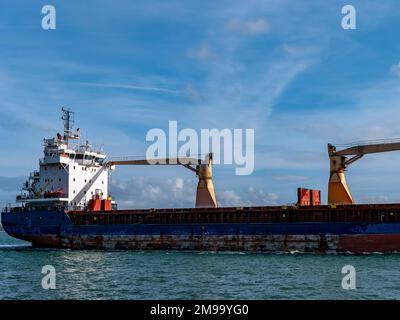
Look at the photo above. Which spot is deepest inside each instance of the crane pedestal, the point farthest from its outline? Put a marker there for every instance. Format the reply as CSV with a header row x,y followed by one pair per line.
x,y
205,195
338,191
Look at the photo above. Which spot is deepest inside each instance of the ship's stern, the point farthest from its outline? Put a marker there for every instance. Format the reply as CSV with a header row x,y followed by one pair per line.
x,y
41,228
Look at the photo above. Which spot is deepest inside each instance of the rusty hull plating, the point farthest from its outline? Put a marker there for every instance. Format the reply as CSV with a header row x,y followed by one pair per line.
x,y
319,229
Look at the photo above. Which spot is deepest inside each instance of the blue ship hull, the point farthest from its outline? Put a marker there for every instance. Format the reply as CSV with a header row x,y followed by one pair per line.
x,y
54,229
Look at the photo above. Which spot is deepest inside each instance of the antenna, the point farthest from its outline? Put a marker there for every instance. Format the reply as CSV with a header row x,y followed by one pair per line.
x,y
68,119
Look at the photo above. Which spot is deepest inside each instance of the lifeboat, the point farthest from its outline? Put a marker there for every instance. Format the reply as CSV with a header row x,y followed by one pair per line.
x,y
54,194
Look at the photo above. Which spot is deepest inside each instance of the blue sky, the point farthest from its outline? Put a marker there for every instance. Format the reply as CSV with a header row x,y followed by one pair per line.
x,y
285,68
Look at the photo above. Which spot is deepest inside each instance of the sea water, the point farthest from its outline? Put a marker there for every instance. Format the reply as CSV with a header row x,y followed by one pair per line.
x,y
95,274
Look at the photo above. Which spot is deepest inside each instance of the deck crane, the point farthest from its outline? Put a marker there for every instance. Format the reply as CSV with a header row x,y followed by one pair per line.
x,y
338,191
205,195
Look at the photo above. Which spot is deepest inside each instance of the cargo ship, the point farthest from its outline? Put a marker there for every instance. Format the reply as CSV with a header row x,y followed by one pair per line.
x,y
66,204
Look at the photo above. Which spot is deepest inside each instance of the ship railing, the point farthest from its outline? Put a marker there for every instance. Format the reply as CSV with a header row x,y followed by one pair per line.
x,y
124,158
57,196
10,209
367,142
76,207
7,208
34,175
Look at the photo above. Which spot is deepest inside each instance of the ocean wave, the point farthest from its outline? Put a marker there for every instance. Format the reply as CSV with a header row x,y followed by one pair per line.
x,y
11,246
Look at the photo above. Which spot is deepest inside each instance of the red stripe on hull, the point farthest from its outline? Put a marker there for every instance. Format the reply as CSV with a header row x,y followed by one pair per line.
x,y
369,243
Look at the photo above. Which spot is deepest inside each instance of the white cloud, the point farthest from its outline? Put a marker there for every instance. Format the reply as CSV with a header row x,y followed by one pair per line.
x,y
145,192
229,198
261,197
374,199
121,86
395,69
250,27
250,197
294,49
193,94
201,53
233,89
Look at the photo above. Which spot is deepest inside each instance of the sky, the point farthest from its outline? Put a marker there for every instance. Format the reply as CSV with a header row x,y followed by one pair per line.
x,y
286,69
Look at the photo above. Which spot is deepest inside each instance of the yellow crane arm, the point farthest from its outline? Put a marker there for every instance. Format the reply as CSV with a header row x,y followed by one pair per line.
x,y
205,195
165,161
338,191
364,149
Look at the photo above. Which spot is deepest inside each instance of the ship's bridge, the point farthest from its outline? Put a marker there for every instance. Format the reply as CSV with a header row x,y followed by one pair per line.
x,y
57,150
70,172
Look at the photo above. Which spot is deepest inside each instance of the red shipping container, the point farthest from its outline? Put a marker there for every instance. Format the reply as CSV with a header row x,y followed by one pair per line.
x,y
303,197
95,205
315,197
106,205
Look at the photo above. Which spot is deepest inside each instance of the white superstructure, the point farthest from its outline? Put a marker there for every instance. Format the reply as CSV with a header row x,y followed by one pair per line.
x,y
70,173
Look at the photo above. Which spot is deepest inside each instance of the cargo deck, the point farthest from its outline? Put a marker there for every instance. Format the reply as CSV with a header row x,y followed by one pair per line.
x,y
368,213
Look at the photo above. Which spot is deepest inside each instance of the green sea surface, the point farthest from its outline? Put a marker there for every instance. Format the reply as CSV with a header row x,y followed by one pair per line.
x,y
191,275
